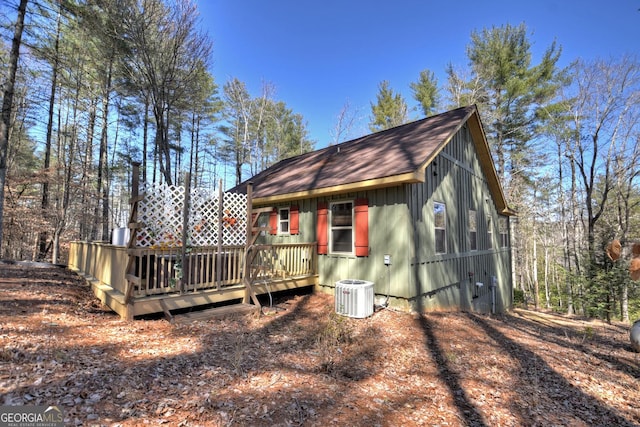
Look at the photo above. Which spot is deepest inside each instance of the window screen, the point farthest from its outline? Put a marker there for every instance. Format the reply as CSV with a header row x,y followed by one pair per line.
x,y
440,225
342,227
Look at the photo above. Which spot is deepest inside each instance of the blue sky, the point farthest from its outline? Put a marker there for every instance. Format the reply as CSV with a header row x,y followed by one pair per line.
x,y
321,54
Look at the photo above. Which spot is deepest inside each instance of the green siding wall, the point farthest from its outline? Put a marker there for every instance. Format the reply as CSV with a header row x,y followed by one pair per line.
x,y
401,225
389,233
448,280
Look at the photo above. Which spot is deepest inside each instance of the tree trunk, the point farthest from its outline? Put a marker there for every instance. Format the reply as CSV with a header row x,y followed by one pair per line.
x,y
87,199
565,233
624,302
102,185
546,277
162,144
7,106
536,286
556,279
42,245
145,138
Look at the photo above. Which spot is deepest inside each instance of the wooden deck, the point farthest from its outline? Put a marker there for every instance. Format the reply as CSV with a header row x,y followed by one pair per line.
x,y
115,299
163,288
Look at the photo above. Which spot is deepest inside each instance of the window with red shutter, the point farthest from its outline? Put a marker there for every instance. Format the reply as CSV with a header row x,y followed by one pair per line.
x,y
284,221
361,213
341,228
294,221
321,228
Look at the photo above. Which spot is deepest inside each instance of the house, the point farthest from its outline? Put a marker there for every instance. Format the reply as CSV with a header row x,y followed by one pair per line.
x,y
417,209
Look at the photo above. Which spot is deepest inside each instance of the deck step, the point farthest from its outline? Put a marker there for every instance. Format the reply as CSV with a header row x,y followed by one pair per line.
x,y
217,312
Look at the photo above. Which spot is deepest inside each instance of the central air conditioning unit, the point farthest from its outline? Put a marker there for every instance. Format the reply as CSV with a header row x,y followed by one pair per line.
x,y
354,298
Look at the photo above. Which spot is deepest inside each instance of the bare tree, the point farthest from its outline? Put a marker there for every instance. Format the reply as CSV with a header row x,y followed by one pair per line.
x,y
606,94
345,121
463,87
245,118
625,186
601,148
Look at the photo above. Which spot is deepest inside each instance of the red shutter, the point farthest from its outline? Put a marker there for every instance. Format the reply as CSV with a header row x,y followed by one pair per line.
x,y
273,221
362,227
294,223
321,230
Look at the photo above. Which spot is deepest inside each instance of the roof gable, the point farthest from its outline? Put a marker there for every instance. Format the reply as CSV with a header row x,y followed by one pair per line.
x,y
390,157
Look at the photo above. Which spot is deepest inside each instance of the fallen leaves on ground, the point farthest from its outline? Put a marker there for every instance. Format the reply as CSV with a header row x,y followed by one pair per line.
x,y
305,365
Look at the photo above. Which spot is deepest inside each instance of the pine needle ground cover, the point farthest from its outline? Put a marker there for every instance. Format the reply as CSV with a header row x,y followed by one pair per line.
x,y
304,365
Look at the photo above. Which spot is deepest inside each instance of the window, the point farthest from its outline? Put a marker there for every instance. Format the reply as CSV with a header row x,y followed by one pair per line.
x,y
344,231
440,225
490,233
283,221
503,229
473,230
341,234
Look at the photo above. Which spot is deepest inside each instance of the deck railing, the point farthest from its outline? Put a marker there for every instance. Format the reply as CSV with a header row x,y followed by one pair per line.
x,y
284,260
165,270
168,270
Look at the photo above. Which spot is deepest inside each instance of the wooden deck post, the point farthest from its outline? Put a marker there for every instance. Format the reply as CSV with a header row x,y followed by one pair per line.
x,y
185,228
130,270
247,246
249,293
249,213
220,236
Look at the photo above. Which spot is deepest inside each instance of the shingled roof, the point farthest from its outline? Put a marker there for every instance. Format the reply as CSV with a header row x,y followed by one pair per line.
x,y
387,158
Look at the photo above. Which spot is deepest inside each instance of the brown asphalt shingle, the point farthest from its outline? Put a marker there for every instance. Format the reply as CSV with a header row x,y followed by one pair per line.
x,y
395,151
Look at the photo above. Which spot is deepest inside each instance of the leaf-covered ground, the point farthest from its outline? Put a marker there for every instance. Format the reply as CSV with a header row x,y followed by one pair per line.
x,y
304,365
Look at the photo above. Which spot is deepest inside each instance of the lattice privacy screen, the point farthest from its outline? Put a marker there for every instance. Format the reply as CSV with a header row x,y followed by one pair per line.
x,y
161,215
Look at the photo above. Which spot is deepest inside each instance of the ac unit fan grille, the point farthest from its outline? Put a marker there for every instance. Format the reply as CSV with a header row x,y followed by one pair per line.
x,y
354,298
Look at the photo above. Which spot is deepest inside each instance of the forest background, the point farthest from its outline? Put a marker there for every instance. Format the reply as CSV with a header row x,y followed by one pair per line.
x,y
88,87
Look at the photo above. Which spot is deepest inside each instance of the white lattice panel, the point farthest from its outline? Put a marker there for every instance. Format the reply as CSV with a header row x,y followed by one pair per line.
x,y
161,215
234,219
203,218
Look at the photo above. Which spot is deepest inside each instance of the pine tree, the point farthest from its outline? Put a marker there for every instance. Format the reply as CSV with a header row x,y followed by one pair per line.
x,y
426,92
165,54
510,91
389,111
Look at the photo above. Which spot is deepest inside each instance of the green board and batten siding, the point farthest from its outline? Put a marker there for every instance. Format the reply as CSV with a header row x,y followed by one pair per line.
x,y
402,172
389,233
401,225
455,178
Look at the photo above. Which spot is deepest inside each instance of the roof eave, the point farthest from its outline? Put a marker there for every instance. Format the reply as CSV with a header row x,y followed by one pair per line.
x,y
371,184
484,155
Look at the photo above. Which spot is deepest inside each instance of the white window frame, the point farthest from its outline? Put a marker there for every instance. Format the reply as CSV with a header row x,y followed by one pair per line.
x,y
332,227
490,233
473,230
503,229
282,221
436,228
